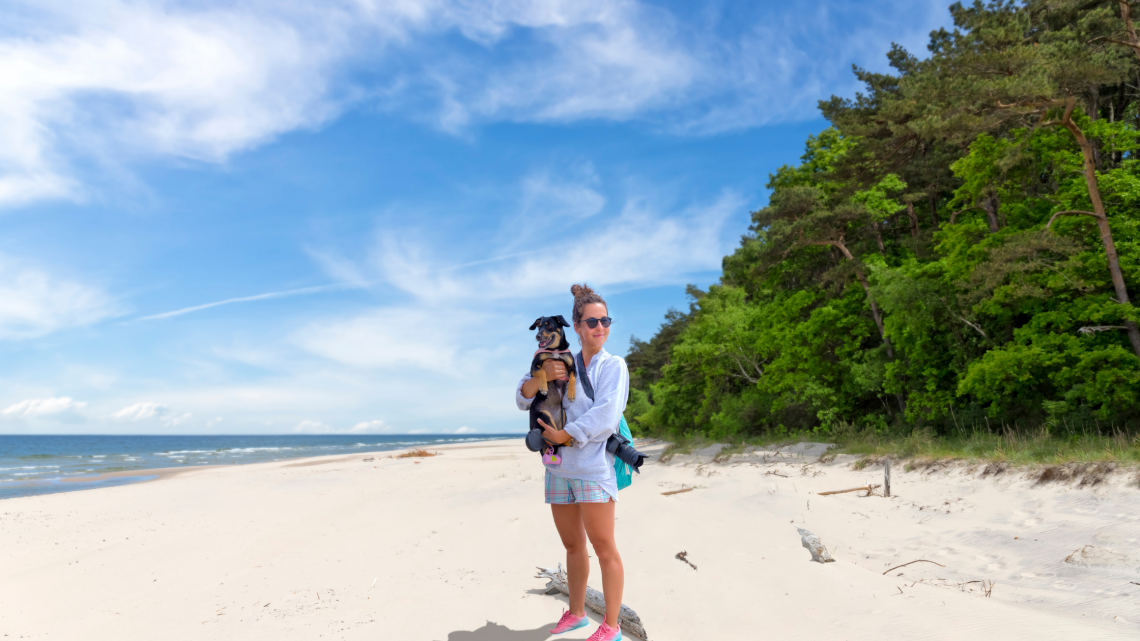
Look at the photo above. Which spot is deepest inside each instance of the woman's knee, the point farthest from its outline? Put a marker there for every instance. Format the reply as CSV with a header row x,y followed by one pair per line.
x,y
607,551
575,546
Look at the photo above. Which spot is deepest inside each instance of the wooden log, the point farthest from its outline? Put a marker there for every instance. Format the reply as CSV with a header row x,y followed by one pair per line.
x,y
627,618
887,479
854,489
688,489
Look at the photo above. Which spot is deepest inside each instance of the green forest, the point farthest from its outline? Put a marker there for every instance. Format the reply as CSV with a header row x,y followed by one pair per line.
x,y
954,255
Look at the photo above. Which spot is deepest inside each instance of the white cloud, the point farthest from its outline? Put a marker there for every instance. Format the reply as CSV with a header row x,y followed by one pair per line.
x,y
149,410
394,337
312,427
34,303
369,427
33,407
464,430
107,81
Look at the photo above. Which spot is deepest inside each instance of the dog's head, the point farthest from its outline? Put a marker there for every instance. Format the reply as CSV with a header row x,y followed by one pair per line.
x,y
550,334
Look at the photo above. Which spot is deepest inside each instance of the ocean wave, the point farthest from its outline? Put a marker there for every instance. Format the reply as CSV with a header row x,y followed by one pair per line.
x,y
29,467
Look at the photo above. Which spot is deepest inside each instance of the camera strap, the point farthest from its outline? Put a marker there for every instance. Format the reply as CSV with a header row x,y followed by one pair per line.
x,y
583,376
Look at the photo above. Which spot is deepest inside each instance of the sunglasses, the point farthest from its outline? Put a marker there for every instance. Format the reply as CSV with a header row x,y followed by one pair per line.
x,y
593,322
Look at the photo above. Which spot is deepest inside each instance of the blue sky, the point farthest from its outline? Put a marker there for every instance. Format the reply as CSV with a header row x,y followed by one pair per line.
x,y
278,217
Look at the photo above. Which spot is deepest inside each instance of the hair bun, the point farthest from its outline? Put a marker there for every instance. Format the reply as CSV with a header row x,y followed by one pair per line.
x,y
581,290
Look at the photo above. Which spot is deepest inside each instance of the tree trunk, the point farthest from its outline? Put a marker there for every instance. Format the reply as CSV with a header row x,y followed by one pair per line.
x,y
1102,221
878,237
933,211
913,219
1126,14
874,308
990,204
866,288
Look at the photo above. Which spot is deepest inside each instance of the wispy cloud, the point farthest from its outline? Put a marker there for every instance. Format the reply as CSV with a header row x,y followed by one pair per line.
x,y
641,245
110,81
303,291
34,303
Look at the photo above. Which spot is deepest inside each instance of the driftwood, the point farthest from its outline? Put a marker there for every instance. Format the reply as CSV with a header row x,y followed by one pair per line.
x,y
688,489
869,488
918,561
819,554
627,618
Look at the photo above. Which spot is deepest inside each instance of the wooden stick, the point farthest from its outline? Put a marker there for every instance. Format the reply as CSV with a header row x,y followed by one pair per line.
x,y
918,561
688,489
854,489
627,618
887,479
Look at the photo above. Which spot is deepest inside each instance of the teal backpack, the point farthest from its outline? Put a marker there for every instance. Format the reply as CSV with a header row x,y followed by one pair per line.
x,y
624,472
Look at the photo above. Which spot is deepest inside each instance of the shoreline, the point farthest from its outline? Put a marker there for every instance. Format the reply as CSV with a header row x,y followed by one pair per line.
x,y
122,478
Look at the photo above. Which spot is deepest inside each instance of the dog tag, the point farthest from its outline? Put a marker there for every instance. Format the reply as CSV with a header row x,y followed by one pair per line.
x,y
550,458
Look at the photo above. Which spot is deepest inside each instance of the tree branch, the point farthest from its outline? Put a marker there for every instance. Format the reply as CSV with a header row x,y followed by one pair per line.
x,y
1118,42
835,243
743,374
1089,331
954,215
974,327
1069,213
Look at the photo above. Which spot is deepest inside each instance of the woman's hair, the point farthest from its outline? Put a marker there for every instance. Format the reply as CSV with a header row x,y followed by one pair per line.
x,y
583,296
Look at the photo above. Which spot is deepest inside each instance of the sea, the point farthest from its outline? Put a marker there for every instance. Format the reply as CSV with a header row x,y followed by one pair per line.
x,y
46,464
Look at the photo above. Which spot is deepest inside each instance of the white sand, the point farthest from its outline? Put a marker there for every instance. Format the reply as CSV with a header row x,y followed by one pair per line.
x,y
290,550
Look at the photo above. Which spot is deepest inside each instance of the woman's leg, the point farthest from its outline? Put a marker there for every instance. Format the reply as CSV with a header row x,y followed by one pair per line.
x,y
568,520
598,519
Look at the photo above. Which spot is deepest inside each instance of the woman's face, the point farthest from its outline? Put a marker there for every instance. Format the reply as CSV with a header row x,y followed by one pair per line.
x,y
596,337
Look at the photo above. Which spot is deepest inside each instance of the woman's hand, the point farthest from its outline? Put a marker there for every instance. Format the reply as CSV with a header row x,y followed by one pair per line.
x,y
558,437
555,370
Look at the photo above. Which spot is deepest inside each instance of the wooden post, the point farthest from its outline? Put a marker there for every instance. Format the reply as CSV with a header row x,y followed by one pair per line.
x,y
887,478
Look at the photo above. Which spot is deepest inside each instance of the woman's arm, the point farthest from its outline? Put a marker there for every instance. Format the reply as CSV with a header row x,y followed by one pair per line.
x,y
611,389
528,387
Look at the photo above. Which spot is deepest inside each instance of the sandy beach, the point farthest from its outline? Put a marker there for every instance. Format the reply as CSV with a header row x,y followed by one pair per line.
x,y
445,548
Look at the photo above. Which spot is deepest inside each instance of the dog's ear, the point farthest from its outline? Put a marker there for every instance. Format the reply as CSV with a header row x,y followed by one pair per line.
x,y
536,322
561,320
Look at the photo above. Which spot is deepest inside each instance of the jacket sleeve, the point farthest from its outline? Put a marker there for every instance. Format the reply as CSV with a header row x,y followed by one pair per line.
x,y
522,402
611,390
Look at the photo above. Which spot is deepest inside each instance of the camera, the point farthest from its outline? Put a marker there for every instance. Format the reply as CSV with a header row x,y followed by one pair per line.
x,y
623,450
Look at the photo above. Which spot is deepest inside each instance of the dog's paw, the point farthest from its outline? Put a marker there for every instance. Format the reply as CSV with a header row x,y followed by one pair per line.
x,y
543,389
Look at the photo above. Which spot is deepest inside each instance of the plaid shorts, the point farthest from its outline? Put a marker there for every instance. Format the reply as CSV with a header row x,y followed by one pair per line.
x,y
564,491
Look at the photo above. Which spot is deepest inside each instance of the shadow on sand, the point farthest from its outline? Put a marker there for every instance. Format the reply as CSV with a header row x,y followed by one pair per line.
x,y
496,632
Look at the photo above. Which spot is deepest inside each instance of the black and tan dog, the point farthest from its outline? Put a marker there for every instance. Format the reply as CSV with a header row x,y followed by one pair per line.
x,y
547,403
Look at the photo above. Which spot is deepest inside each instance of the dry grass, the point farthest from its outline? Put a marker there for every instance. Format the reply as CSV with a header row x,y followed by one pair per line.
x,y
416,454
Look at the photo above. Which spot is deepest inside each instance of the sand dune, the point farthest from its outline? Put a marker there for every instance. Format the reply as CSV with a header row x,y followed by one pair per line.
x,y
445,548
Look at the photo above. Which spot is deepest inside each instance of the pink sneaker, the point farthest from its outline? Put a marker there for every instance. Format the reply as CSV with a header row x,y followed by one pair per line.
x,y
569,622
606,633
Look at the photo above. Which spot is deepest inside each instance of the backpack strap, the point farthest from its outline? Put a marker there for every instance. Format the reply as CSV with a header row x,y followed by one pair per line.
x,y
583,376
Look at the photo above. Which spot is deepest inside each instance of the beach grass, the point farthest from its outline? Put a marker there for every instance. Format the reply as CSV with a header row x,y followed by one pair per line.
x,y
1040,446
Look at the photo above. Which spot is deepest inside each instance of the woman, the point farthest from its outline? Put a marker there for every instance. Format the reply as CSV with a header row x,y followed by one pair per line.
x,y
582,488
